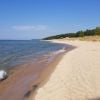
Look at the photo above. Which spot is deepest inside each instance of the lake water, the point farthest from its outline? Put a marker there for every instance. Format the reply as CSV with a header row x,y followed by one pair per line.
x,y
15,52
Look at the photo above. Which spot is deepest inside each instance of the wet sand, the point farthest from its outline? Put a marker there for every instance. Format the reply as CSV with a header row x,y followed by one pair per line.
x,y
25,79
77,75
19,82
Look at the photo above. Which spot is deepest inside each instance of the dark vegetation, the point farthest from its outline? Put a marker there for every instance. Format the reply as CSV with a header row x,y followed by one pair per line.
x,y
91,32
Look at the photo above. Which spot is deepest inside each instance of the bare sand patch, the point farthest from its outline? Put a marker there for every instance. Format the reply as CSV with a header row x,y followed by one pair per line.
x,y
77,75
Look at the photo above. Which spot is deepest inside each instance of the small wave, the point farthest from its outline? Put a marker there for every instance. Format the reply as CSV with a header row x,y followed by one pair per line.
x,y
59,51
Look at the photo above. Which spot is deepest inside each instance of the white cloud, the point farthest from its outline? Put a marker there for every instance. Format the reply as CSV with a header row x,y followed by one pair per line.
x,y
23,28
36,28
41,27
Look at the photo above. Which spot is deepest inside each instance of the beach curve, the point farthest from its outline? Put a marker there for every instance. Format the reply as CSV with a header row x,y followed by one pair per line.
x,y
76,76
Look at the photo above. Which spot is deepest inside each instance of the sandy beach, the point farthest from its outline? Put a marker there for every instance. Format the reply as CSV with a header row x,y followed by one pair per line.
x,y
24,79
77,75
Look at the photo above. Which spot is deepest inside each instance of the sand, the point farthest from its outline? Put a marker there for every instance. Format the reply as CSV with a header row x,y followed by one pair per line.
x,y
23,80
77,75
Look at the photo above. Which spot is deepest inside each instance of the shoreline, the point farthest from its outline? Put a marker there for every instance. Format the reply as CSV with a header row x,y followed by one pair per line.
x,y
76,76
48,72
45,76
24,80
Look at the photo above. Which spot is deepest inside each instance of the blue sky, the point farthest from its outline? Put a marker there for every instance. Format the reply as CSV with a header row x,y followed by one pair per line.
x,y
28,19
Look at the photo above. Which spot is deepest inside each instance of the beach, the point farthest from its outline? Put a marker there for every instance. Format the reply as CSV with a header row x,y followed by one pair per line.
x,y
27,63
76,76
50,50
24,79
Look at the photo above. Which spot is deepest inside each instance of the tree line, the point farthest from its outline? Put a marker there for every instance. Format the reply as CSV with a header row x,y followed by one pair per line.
x,y
91,32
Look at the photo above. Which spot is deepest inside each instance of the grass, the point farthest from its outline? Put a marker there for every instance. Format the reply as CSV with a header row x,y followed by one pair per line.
x,y
85,38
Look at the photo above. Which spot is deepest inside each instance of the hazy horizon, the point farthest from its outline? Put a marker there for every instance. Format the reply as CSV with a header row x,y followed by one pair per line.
x,y
35,19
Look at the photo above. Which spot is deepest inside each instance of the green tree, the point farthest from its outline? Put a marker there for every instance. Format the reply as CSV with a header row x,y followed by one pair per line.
x,y
97,31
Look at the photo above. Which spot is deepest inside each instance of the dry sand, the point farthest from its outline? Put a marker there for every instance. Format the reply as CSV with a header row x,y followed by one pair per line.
x,y
77,75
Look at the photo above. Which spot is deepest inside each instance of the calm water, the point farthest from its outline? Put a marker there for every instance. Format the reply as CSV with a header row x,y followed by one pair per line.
x,y
14,52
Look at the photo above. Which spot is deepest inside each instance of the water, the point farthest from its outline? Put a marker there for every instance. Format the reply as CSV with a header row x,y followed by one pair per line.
x,y
15,52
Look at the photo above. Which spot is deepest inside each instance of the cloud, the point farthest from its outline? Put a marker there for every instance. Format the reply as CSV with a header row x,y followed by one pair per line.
x,y
41,27
23,28
36,28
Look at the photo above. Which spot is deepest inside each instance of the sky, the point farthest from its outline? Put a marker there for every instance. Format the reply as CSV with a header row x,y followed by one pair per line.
x,y
35,19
